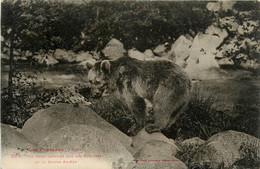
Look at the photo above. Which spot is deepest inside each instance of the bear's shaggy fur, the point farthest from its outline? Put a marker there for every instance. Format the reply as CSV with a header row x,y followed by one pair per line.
x,y
138,84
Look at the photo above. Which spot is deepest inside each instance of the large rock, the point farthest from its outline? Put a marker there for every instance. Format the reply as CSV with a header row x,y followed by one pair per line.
x,y
65,56
157,154
160,50
114,49
12,140
45,59
87,63
180,50
91,141
143,137
149,53
225,62
133,53
229,149
83,56
202,52
46,121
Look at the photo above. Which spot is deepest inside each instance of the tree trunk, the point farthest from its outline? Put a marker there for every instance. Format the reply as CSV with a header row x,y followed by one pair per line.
x,y
11,69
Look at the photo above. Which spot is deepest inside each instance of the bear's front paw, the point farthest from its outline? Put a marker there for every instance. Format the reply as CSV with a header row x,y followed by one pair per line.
x,y
152,128
132,131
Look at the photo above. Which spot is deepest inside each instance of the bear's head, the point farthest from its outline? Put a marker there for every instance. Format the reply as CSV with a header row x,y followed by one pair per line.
x,y
98,77
105,76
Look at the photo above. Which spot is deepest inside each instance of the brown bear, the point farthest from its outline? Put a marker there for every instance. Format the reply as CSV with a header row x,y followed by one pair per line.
x,y
153,89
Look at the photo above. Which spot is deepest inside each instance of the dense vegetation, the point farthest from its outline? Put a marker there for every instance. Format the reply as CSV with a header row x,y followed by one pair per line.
x,y
47,25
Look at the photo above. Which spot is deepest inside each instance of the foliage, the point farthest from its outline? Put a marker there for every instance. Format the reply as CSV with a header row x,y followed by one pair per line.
x,y
51,25
22,105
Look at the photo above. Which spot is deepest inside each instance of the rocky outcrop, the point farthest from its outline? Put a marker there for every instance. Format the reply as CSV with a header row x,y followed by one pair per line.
x,y
133,53
143,137
90,140
87,64
114,49
12,141
157,154
64,56
83,56
202,57
180,50
45,59
155,151
228,149
46,121
160,50
225,62
149,53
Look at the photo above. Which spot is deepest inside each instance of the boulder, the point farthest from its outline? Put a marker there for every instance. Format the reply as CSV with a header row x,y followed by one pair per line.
x,y
46,121
230,149
148,53
225,62
133,53
160,50
114,49
180,50
91,141
12,140
64,56
143,137
45,59
83,56
157,154
87,63
202,52
48,60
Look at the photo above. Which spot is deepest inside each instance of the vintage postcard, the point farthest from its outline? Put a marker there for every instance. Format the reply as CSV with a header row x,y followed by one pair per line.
x,y
130,84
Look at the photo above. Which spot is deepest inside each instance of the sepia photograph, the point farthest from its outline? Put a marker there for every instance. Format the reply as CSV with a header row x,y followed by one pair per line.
x,y
114,84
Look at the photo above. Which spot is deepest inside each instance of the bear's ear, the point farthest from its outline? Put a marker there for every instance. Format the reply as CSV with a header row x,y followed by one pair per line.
x,y
105,66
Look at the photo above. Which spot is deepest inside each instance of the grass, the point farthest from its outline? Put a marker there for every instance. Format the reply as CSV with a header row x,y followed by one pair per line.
x,y
202,119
